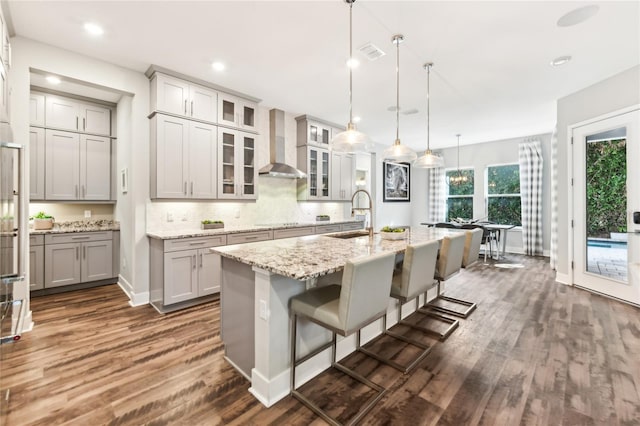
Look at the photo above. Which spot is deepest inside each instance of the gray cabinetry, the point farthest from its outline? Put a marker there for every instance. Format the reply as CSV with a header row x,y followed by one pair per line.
x,y
36,262
36,109
78,167
36,163
236,112
70,114
183,158
249,237
237,172
342,176
293,232
175,96
77,257
183,269
315,162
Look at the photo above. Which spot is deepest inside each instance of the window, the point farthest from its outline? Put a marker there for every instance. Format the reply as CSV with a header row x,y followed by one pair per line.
x,y
459,194
503,194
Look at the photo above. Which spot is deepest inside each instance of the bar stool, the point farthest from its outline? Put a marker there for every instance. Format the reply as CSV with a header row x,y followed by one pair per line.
x,y
361,299
449,264
486,239
417,269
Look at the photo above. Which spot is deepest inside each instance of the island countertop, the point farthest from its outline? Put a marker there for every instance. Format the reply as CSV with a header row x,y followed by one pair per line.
x,y
312,256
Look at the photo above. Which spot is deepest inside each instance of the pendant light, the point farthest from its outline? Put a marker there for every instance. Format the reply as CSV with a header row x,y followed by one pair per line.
x,y
428,160
350,140
458,178
398,152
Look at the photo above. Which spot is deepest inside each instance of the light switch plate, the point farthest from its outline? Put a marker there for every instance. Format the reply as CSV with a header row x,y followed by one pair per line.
x,y
87,214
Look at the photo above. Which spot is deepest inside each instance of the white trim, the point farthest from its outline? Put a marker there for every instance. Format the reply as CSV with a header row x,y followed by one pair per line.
x,y
27,322
563,278
134,299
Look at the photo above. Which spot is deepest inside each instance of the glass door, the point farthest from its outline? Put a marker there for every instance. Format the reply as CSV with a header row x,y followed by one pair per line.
x,y
313,172
248,167
325,174
606,158
228,163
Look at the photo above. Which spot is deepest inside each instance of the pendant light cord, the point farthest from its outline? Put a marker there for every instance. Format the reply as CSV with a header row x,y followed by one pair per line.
x,y
397,41
351,62
459,174
428,66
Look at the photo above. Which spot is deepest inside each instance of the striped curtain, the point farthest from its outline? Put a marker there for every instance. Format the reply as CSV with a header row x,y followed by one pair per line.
x,y
530,158
554,199
436,212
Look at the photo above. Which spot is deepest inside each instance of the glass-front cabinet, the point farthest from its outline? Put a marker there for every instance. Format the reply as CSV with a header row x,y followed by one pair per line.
x,y
237,171
316,186
237,112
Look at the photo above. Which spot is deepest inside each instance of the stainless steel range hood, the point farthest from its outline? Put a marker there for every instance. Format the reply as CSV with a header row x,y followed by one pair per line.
x,y
277,167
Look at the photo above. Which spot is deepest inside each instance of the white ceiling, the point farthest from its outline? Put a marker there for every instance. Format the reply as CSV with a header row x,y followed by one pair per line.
x,y
491,79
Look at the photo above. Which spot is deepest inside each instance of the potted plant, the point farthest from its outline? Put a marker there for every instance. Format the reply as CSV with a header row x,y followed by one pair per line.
x,y
212,224
389,233
42,221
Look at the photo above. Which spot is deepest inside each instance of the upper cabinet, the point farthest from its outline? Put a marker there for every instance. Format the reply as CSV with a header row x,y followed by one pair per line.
x,y
237,173
313,132
175,96
36,109
69,114
342,176
237,112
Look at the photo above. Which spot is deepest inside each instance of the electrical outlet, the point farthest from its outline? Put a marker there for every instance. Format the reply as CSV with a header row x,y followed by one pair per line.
x,y
264,312
169,217
87,214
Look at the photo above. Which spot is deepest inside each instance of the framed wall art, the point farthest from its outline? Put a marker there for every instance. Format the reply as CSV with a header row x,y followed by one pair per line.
x,y
397,181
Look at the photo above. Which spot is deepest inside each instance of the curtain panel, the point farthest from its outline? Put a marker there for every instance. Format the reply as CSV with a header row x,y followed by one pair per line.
x,y
554,200
531,164
437,207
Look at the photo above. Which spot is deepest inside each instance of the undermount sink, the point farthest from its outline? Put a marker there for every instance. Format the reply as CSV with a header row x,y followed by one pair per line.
x,y
346,235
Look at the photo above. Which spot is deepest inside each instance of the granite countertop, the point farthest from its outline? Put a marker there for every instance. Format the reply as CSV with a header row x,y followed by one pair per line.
x,y
78,226
312,256
231,229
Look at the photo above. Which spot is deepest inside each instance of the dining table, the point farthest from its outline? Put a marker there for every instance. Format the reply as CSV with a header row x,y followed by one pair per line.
x,y
498,230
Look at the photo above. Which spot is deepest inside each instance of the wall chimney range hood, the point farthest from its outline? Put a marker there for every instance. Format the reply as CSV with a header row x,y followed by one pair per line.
x,y
277,167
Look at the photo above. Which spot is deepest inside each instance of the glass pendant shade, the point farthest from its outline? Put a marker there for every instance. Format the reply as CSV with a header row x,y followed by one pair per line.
x,y
429,160
351,140
399,153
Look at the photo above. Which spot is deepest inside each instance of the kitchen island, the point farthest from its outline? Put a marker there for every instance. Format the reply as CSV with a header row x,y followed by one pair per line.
x,y
258,279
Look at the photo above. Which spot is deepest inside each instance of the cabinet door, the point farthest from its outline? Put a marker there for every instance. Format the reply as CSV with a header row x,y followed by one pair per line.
x,y
4,94
336,188
97,260
347,176
36,163
171,94
228,110
180,276
36,109
209,272
248,172
171,157
62,159
341,176
318,133
36,267
249,116
227,143
61,264
95,167
203,154
323,183
61,113
95,119
312,176
203,103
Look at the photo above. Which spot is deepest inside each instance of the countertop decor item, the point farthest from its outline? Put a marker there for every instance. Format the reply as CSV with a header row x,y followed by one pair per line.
x,y
323,218
389,233
42,221
212,224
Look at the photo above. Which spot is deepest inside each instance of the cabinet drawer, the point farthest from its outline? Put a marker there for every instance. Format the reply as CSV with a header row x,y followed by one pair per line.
x,y
353,225
323,229
78,237
249,237
293,232
36,240
194,243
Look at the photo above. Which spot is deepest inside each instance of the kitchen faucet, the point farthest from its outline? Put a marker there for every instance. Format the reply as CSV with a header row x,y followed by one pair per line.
x,y
370,208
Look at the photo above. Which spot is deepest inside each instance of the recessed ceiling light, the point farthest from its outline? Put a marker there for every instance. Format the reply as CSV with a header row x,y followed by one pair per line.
x,y
577,16
560,60
356,119
93,29
218,66
52,79
353,63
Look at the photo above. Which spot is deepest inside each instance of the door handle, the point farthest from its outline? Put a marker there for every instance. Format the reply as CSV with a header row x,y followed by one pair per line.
x,y
77,123
185,187
76,191
191,187
84,125
194,261
77,252
84,252
185,107
192,108
84,192
201,260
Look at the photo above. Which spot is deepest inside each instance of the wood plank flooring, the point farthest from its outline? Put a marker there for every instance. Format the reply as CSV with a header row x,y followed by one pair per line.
x,y
533,353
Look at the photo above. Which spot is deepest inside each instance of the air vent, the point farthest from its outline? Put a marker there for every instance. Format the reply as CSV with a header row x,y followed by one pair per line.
x,y
371,51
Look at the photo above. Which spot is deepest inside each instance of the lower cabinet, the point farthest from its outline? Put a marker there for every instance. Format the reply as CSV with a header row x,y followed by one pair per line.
x,y
36,262
183,269
77,258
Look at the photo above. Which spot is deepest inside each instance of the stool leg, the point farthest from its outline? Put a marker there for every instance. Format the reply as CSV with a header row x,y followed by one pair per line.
x,y
293,352
470,306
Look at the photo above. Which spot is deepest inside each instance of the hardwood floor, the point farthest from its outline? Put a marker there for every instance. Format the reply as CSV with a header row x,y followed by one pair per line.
x,y
534,352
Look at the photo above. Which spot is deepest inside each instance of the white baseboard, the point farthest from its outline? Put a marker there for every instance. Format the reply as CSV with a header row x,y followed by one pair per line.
x,y
563,278
135,299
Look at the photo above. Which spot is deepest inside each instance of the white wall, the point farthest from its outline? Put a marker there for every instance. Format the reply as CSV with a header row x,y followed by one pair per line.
x,y
480,156
132,134
617,92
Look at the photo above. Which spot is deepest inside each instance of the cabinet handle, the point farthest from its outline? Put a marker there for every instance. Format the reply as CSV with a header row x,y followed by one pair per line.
x,y
84,191
76,191
77,252
191,187
194,261
198,243
192,108
84,125
77,123
185,107
250,238
201,260
80,238
185,187
84,252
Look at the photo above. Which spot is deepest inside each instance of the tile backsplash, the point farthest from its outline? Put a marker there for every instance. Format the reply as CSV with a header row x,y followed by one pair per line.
x,y
63,212
276,203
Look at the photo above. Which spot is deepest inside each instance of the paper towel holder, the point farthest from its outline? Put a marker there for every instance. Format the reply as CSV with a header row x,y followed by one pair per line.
x,y
636,218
